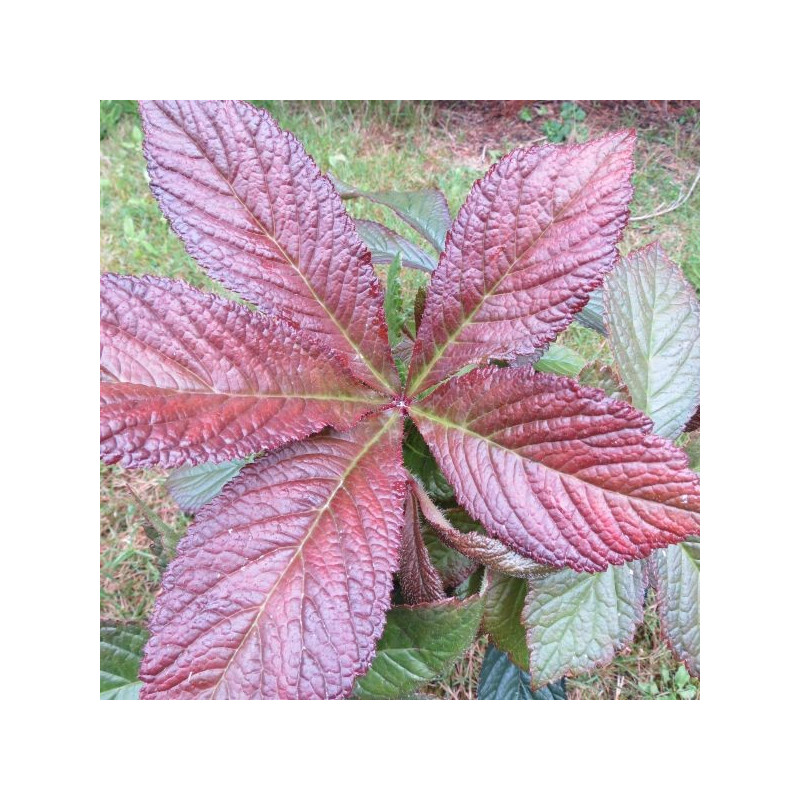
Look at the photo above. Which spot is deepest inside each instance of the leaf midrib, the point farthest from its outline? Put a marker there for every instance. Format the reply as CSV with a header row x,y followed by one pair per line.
x,y
439,351
282,252
301,545
469,432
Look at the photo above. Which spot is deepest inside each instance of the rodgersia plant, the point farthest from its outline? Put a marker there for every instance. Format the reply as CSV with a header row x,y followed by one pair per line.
x,y
432,448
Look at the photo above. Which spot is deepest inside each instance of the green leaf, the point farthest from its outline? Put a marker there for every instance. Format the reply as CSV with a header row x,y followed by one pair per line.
x,y
576,620
385,244
394,302
561,361
676,573
501,679
505,599
193,487
472,585
591,316
420,462
654,330
121,649
525,114
419,643
426,211
450,564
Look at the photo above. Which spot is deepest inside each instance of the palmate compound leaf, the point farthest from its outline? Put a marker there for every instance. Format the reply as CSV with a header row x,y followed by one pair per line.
x,y
190,377
653,320
558,472
281,586
576,621
255,212
419,643
120,653
533,239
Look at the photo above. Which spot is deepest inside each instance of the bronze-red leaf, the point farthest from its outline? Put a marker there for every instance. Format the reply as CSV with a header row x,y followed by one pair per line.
x,y
559,472
534,237
281,586
190,377
255,212
419,579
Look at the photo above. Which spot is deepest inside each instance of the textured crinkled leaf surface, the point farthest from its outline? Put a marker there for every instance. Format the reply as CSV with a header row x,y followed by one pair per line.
x,y
653,318
534,237
474,544
385,244
577,621
556,471
419,643
501,679
120,653
281,586
677,581
426,210
190,377
502,618
193,487
254,211
419,580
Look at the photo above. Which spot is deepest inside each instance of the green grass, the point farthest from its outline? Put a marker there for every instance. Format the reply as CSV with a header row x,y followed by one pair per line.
x,y
379,146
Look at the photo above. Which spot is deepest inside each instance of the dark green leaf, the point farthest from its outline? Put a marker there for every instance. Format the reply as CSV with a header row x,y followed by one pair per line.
x,y
419,643
120,653
420,463
450,564
591,316
501,679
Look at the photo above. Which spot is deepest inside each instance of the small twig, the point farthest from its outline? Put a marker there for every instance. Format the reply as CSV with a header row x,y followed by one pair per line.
x,y
677,204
